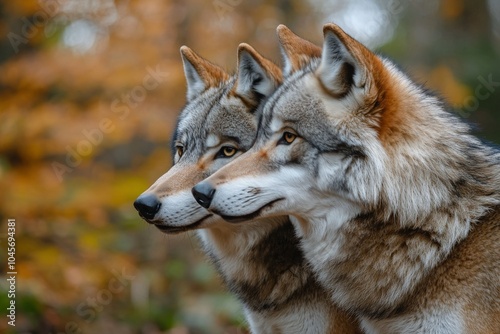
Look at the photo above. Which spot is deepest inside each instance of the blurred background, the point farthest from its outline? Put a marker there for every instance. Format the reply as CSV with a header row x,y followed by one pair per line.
x,y
89,94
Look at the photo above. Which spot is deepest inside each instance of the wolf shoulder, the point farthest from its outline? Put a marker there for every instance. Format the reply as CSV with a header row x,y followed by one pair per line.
x,y
471,275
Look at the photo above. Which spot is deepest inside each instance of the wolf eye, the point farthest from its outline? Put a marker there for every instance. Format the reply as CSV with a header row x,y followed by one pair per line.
x,y
287,138
180,150
226,152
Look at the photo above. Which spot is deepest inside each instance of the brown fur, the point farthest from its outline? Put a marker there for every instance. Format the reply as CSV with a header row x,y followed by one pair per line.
x,y
298,50
472,268
249,165
211,74
342,322
182,176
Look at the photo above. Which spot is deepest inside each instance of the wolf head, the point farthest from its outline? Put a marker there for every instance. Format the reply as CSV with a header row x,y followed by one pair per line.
x,y
345,134
218,123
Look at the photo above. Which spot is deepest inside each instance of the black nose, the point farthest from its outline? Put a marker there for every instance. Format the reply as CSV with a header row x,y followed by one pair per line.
x,y
147,205
203,193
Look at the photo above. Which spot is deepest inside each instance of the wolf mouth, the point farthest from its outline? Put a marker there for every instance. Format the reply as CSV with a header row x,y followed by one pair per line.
x,y
250,216
178,229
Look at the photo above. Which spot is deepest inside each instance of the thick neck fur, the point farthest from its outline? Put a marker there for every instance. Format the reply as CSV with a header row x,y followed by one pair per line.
x,y
374,263
438,183
262,264
260,261
431,160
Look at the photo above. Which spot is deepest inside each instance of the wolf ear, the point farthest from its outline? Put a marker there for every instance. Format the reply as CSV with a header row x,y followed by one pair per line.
x,y
344,62
200,73
257,76
296,51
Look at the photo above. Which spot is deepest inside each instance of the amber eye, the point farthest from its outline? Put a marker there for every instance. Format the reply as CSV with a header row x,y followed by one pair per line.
x,y
226,152
180,150
287,138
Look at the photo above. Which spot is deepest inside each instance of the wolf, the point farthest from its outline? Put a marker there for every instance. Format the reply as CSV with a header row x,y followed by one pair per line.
x,y
396,204
260,261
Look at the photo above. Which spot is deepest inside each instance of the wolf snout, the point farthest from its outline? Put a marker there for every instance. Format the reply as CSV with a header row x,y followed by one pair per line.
x,y
147,205
203,193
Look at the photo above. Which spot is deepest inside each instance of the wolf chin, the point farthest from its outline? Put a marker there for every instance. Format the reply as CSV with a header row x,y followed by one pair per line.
x,y
396,203
260,261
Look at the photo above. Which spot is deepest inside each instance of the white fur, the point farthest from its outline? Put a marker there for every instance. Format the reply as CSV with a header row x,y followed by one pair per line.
x,y
179,209
276,125
337,108
313,319
212,141
236,198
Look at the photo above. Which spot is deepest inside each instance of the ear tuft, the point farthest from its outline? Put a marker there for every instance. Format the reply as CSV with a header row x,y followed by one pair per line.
x,y
297,52
200,73
257,76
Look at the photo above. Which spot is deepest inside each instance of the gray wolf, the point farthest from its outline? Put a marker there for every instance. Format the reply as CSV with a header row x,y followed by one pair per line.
x,y
260,261
396,203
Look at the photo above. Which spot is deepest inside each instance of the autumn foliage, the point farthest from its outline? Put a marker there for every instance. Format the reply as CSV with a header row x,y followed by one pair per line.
x,y
89,95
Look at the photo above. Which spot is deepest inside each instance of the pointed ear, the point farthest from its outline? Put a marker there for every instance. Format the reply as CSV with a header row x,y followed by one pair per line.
x,y
257,76
344,62
296,51
200,73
